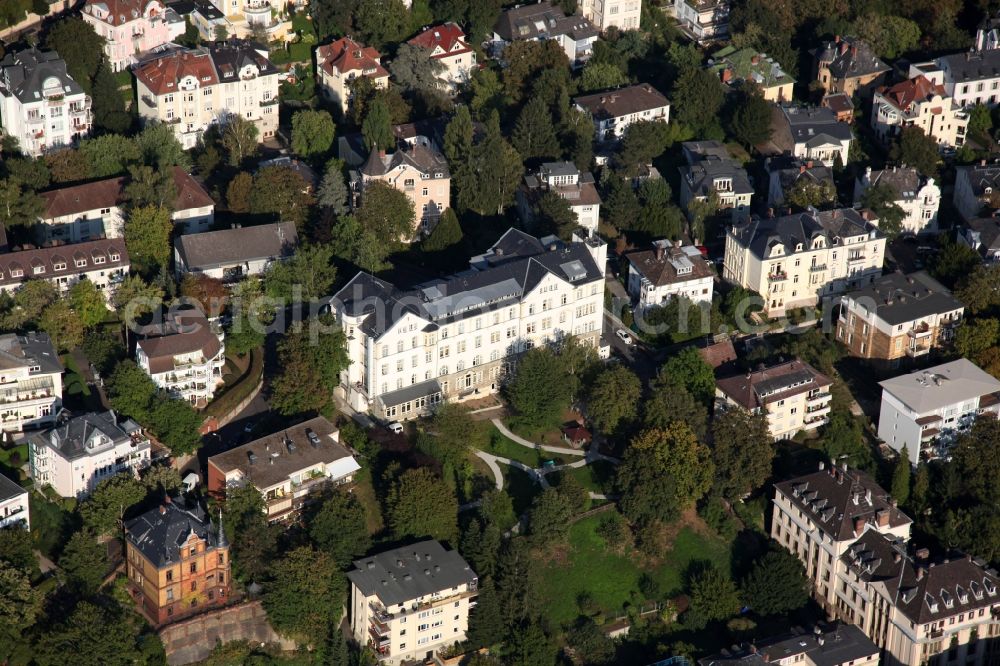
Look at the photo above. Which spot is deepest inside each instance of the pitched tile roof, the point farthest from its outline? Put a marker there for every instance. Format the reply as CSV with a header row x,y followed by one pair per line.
x,y
24,75
623,101
33,349
768,385
448,37
61,260
120,12
410,572
425,159
162,75
851,58
232,246
346,55
916,90
9,489
668,263
109,193
759,235
194,334
91,434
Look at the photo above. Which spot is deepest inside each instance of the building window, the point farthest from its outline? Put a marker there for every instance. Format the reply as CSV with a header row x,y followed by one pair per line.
x,y
170,575
194,585
222,558
194,567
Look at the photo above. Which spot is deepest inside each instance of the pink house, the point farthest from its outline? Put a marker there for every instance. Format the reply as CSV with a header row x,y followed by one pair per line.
x,y
130,27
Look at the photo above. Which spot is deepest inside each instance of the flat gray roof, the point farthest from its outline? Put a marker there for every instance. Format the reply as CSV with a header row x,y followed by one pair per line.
x,y
940,386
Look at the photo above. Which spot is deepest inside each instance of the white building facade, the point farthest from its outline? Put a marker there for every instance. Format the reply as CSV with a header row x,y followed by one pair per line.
x,y
30,382
621,14
613,111
186,362
919,103
14,510
104,263
919,198
666,271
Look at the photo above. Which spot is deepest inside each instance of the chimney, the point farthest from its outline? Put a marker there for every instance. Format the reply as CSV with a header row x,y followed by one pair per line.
x,y
920,573
755,59
896,557
882,518
843,48
922,553
821,465
658,252
802,168
859,525
163,510
809,164
727,75
836,39
854,51
167,499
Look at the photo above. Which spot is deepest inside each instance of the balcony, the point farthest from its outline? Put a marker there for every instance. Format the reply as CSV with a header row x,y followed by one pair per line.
x,y
777,277
855,259
819,410
817,268
914,350
818,398
921,330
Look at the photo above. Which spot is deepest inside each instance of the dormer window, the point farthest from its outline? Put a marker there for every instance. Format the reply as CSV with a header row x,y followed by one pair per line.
x,y
115,256
80,263
38,270
16,272
947,599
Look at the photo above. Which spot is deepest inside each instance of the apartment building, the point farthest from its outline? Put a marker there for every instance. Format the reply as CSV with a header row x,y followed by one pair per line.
x,y
289,467
184,355
921,103
78,213
14,510
925,410
411,602
666,270
977,189
568,182
794,396
416,169
614,110
710,170
811,133
176,561
242,17
77,454
40,104
541,21
982,234
739,68
820,515
919,198
195,88
232,254
795,260
131,27
969,78
898,318
30,382
104,263
703,20
457,337
833,645
448,47
339,64
849,65
787,174
621,14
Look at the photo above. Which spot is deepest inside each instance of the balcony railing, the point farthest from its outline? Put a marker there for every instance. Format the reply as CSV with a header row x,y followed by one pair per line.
x,y
917,350
852,259
777,277
921,330
817,398
817,268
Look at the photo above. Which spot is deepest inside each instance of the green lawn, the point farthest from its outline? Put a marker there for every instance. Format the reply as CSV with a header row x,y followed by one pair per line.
x,y
73,382
500,445
51,524
365,492
301,24
597,477
612,580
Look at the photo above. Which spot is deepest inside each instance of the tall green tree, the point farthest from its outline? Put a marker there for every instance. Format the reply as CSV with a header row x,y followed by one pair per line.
x,y
88,303
149,186
664,407
601,76
420,504
377,126
108,104
311,360
307,594
750,121
539,390
84,562
776,584
713,597
388,213
20,605
416,70
614,398
76,42
534,133
238,193
699,97
900,488
742,449
881,199
916,149
339,528
104,510
147,234
97,635
63,325
281,191
446,235
19,207
458,136
239,139
332,193
253,541
688,369
549,518
110,154
308,274
160,148
312,133
494,172
381,22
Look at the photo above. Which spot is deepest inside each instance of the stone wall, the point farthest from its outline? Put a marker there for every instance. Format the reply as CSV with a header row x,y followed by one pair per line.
x,y
194,639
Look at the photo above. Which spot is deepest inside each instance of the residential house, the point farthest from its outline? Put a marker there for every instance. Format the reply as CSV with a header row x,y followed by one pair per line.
x,y
176,561
40,104
77,213
614,110
796,260
898,318
835,645
566,181
542,21
811,133
787,174
919,103
231,254
918,197
77,454
738,68
667,270
793,395
14,510
819,516
417,170
710,170
969,78
977,189
923,411
131,26
841,105
849,65
184,355
703,20
243,17
196,88
103,262
457,337
352,150
289,467
339,64
30,382
621,14
448,47
422,582
982,234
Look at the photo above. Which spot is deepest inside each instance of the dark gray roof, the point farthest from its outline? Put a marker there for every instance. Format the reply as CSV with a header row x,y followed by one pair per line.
x,y
815,125
9,489
980,176
231,56
89,434
760,234
160,532
987,231
25,74
406,573
701,176
424,158
32,349
972,66
851,58
559,169
622,101
542,21
410,393
515,264
836,645
899,298
234,246
904,181
790,170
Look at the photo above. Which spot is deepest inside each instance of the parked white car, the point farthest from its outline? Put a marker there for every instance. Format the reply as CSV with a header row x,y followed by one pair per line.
x,y
624,336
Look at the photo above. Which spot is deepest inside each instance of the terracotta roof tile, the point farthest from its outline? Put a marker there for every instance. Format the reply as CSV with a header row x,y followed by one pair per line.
x,y
162,75
445,37
346,55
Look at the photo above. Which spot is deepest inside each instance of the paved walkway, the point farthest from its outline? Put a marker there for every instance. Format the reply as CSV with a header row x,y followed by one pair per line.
x,y
491,462
531,445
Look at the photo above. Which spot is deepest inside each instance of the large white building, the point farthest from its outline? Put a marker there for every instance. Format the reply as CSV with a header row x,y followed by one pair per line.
x,y
667,270
76,455
614,110
344,61
969,78
457,337
102,262
919,198
184,355
924,410
542,21
131,27
193,89
568,182
921,103
621,14
14,510
30,382
795,260
40,104
703,20
812,133
411,602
